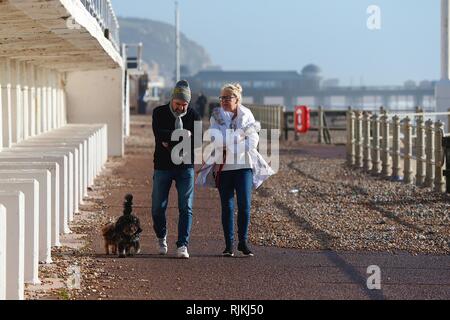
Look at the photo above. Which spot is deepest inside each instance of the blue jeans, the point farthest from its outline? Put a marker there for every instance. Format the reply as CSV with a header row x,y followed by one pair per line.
x,y
242,182
184,182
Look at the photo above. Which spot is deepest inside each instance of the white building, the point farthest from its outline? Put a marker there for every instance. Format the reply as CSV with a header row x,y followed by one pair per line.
x,y
62,112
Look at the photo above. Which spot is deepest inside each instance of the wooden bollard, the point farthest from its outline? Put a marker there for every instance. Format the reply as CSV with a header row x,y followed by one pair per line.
x,y
429,150
385,146
396,148
376,161
367,161
420,152
439,183
359,140
407,132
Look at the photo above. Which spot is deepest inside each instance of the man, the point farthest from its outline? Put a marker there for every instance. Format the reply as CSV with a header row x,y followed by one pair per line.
x,y
201,104
176,115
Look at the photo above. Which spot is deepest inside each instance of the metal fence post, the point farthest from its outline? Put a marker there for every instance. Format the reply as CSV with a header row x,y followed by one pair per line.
x,y
408,178
376,161
396,148
420,152
439,183
429,150
320,112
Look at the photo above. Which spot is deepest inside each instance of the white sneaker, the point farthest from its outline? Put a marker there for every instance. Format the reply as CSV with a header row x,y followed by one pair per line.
x,y
162,246
182,252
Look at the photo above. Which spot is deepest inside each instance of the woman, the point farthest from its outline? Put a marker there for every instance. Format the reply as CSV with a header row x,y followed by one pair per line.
x,y
243,167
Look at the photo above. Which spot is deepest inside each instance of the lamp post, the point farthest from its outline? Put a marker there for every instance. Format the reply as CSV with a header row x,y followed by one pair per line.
x,y
442,89
177,42
445,43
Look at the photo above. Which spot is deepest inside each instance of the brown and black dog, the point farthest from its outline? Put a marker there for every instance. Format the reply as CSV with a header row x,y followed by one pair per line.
x,y
123,235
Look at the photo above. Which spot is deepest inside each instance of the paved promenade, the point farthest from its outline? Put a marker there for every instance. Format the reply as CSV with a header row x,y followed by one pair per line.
x,y
274,273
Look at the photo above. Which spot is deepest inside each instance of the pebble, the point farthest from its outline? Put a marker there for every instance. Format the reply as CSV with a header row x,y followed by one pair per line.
x,y
340,207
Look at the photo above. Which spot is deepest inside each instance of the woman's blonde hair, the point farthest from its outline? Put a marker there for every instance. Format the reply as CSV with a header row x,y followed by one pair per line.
x,y
235,88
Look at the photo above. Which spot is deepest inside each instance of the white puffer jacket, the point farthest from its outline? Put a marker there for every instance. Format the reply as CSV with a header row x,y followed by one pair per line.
x,y
247,136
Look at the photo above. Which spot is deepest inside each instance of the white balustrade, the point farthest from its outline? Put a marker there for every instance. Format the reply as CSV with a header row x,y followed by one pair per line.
x,y
396,148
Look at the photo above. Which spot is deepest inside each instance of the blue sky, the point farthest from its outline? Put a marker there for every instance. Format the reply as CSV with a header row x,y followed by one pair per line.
x,y
288,34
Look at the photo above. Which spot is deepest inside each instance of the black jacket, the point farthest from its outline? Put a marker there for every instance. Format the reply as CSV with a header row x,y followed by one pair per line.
x,y
163,126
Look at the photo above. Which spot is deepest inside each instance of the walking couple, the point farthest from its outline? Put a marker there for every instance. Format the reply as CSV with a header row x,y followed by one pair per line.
x,y
240,171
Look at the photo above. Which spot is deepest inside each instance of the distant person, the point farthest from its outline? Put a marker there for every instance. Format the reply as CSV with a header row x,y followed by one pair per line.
x,y
147,96
241,171
166,119
142,109
201,104
211,107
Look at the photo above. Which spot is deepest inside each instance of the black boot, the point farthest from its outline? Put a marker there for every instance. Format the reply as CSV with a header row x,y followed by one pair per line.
x,y
228,252
243,247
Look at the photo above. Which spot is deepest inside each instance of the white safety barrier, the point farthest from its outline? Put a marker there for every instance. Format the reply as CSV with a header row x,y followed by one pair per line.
x,y
30,189
79,163
94,152
38,97
97,145
2,252
63,163
70,177
43,173
14,203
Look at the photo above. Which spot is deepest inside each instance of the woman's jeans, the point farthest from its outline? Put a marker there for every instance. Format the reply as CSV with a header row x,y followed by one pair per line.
x,y
242,182
184,182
